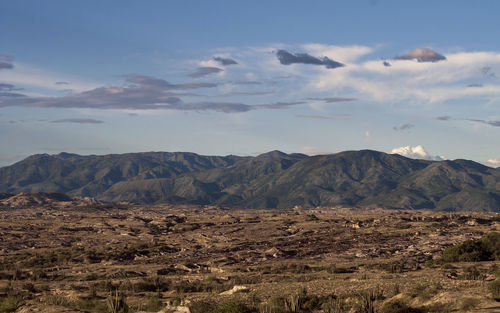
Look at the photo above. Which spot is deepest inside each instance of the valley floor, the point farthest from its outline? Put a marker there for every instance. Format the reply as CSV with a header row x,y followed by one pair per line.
x,y
63,257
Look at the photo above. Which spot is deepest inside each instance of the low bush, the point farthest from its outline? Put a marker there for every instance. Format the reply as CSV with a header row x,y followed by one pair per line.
x,y
487,248
10,304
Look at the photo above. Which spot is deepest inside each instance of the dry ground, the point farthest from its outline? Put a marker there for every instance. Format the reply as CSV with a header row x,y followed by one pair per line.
x,y
81,255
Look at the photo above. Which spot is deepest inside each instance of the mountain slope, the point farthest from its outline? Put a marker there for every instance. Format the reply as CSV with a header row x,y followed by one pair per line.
x,y
270,180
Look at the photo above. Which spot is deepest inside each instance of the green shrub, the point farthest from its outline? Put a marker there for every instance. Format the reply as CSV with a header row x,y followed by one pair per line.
x,y
487,248
10,304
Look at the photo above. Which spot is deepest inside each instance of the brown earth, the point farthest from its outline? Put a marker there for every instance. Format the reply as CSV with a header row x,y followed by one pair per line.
x,y
74,255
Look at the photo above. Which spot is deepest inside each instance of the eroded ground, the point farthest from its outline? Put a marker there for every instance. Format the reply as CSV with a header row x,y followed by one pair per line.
x,y
69,256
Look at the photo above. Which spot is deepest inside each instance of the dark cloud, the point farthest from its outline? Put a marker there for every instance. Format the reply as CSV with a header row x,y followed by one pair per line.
x,y
61,83
336,117
444,118
203,71
287,58
475,85
422,55
386,64
332,99
78,121
491,123
143,92
225,61
5,65
140,93
404,127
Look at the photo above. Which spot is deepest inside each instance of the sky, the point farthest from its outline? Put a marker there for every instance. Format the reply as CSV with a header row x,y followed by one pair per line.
x,y
418,78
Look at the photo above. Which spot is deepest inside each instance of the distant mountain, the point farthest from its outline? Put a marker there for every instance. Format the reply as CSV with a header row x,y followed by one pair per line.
x,y
271,180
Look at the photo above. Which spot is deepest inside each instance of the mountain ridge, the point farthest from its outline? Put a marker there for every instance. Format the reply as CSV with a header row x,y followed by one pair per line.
x,y
274,179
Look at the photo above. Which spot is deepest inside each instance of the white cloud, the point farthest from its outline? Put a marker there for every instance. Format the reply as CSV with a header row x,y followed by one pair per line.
x,y
494,162
417,152
343,54
413,80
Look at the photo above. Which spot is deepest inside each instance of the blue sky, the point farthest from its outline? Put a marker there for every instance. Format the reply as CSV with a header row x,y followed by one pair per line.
x,y
227,77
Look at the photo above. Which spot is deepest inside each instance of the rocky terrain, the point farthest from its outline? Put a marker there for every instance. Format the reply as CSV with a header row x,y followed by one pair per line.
x,y
271,180
62,254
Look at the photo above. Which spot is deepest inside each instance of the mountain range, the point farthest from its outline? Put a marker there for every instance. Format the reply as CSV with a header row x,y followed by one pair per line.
x,y
275,179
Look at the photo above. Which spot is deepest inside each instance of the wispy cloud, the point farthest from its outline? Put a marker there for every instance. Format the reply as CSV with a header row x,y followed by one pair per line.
x,y
332,99
61,83
486,122
336,117
141,93
494,123
78,121
203,71
443,118
278,105
247,93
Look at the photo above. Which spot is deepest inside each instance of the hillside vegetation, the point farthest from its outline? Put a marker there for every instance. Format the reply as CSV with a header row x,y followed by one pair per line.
x,y
272,180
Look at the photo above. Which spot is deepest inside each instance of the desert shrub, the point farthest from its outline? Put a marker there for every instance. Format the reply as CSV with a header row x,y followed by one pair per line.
x,y
154,304
486,248
116,303
230,306
472,273
334,305
424,291
91,305
292,268
334,269
366,300
273,305
494,288
468,304
398,306
10,304
439,308
156,284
